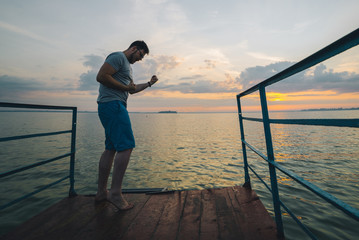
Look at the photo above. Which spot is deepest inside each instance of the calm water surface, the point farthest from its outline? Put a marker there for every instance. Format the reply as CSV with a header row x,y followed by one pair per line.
x,y
191,151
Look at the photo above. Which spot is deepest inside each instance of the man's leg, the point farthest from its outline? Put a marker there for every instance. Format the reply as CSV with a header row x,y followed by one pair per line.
x,y
104,169
119,168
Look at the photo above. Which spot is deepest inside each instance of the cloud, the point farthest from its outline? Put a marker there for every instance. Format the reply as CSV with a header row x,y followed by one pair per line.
x,y
254,75
11,85
343,82
205,86
167,62
24,32
18,88
142,70
196,76
263,56
154,65
318,78
87,80
200,84
210,64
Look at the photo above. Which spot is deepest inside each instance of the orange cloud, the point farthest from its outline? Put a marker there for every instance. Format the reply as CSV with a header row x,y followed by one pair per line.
x,y
180,95
313,97
188,109
299,96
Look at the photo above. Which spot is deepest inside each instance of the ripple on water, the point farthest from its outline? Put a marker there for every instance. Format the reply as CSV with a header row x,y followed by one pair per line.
x,y
196,151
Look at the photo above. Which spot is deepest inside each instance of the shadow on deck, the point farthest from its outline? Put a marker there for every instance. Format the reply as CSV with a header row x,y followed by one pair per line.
x,y
224,213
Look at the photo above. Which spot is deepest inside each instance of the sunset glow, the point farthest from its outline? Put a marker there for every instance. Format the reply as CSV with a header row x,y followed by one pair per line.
x,y
203,59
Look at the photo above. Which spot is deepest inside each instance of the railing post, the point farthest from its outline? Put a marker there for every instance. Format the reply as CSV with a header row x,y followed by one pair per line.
x,y
270,155
247,180
72,192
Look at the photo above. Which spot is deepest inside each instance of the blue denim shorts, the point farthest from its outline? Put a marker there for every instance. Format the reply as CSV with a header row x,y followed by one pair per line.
x,y
116,121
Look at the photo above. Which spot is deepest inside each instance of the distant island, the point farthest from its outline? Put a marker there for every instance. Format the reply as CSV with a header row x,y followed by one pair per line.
x,y
330,109
167,112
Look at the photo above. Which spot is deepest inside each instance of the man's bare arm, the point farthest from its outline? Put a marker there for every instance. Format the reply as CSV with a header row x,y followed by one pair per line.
x,y
142,86
104,77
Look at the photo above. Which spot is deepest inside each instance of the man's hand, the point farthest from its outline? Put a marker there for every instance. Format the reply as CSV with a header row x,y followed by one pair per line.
x,y
131,87
142,86
153,80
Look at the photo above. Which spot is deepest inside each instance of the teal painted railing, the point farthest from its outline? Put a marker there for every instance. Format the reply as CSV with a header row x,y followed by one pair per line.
x,y
331,50
71,154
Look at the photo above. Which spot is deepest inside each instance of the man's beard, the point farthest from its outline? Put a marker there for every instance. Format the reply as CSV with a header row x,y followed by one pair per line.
x,y
131,58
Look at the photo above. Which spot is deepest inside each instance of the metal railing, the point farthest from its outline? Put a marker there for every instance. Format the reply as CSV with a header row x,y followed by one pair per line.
x,y
71,154
339,46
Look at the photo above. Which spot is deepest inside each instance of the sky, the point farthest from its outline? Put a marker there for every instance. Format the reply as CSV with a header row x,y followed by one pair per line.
x,y
203,52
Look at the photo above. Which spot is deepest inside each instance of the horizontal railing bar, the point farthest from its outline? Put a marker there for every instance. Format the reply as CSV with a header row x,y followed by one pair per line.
x,y
33,165
253,119
32,193
305,229
33,135
255,150
349,210
22,105
294,217
354,122
143,190
319,122
339,46
255,173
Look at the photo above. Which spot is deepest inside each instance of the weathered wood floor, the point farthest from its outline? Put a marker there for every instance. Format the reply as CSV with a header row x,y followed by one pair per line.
x,y
226,213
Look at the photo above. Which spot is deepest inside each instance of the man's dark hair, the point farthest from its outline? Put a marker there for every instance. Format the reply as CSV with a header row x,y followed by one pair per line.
x,y
140,45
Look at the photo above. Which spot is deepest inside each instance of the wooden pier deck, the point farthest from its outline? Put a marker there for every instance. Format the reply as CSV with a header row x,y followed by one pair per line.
x,y
224,213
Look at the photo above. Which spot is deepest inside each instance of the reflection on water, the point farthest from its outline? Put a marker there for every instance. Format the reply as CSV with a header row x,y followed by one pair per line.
x,y
327,157
184,151
192,151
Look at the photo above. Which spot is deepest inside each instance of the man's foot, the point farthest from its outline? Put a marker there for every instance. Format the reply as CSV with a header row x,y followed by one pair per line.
x,y
101,196
120,203
128,207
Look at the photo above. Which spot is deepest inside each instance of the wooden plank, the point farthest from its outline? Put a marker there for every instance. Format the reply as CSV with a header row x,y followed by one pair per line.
x,y
76,219
227,225
111,223
34,223
240,218
226,213
209,225
144,225
251,215
244,194
167,227
190,221
68,214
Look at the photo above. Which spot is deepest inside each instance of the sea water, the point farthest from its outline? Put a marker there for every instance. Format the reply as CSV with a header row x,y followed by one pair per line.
x,y
190,151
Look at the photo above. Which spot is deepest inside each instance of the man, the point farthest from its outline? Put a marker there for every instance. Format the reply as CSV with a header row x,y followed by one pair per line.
x,y
115,78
